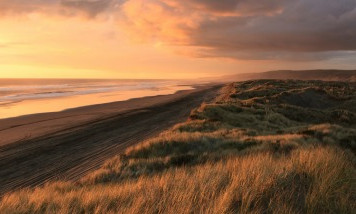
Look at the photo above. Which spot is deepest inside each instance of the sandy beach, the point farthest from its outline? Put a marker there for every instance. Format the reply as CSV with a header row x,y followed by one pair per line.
x,y
68,144
168,106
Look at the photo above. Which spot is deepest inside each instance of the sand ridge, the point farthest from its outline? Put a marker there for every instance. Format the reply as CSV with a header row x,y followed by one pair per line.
x,y
70,151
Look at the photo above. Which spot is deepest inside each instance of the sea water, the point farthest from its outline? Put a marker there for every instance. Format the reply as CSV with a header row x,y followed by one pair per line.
x,y
30,96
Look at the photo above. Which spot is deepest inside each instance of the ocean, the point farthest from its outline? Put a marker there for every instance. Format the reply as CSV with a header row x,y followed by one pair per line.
x,y
20,97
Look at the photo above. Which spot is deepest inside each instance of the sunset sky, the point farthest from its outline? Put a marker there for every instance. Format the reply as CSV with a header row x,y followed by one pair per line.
x,y
173,38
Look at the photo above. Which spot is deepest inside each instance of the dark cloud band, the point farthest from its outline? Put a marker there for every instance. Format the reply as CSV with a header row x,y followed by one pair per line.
x,y
244,29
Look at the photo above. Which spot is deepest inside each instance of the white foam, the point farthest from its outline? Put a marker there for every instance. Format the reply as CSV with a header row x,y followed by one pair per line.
x,y
19,93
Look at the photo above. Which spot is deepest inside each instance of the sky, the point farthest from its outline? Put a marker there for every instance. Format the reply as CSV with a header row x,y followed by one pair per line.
x,y
173,38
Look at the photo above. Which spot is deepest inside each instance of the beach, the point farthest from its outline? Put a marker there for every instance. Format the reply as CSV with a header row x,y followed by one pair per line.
x,y
19,97
68,144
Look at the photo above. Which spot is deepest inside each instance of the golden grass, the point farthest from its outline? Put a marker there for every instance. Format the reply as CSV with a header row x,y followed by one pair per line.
x,y
247,152
281,137
317,180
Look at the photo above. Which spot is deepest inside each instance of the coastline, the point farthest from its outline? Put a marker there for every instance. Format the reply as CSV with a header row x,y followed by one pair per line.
x,y
67,145
27,127
35,102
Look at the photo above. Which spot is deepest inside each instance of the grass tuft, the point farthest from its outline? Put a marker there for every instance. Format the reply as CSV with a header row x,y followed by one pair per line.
x,y
265,146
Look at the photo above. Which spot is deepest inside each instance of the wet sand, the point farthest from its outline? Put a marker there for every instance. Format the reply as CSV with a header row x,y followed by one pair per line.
x,y
66,145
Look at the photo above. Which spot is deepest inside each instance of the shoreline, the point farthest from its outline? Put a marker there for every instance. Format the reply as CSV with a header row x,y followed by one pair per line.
x,y
79,140
56,101
34,125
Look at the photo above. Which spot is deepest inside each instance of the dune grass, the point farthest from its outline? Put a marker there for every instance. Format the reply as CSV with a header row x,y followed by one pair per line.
x,y
261,147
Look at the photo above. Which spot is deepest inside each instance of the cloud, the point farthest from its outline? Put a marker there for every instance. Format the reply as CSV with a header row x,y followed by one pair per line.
x,y
12,44
62,7
91,7
237,7
242,29
252,29
23,6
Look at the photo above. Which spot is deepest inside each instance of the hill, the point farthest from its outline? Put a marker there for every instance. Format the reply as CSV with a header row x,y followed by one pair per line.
x,y
325,75
262,146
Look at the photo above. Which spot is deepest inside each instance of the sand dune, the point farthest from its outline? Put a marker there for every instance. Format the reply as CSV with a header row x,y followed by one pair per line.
x,y
325,75
68,144
261,146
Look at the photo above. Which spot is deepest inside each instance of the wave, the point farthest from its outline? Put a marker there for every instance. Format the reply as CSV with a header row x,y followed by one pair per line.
x,y
28,92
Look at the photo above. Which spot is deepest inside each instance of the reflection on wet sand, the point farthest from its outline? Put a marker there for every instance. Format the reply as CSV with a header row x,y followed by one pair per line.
x,y
61,103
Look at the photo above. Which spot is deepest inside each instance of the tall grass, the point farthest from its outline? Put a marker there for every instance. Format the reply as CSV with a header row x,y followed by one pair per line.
x,y
240,154
315,180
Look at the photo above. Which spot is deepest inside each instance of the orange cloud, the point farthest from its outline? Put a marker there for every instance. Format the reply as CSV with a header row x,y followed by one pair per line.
x,y
249,29
176,38
244,29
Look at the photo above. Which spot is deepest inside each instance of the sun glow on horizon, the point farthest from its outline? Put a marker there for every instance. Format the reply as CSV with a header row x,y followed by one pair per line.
x,y
21,72
51,42
80,48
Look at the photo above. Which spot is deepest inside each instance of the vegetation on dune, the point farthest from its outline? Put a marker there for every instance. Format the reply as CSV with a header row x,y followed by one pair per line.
x,y
262,146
